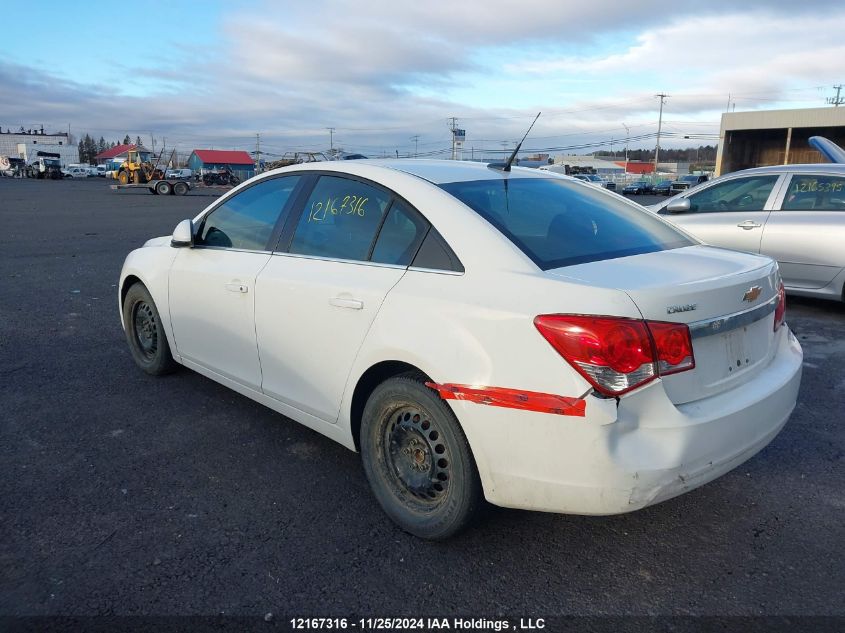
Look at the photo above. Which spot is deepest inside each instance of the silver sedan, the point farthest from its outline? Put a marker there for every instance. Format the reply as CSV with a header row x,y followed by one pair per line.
x,y
793,213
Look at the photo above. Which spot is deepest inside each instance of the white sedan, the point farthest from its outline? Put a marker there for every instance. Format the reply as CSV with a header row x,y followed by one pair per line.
x,y
475,333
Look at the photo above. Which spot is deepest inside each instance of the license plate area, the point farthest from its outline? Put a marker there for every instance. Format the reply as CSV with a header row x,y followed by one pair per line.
x,y
739,352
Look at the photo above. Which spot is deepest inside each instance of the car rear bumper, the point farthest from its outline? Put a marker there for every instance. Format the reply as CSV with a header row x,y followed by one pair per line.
x,y
620,459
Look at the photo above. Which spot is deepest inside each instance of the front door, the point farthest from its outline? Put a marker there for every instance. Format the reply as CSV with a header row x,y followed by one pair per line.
x,y
731,213
212,285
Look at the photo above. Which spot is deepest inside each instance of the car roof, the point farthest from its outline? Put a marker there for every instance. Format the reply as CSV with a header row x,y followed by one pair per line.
x,y
440,172
834,168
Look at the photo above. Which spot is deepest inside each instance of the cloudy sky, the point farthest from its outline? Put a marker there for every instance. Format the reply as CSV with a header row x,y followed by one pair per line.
x,y
213,74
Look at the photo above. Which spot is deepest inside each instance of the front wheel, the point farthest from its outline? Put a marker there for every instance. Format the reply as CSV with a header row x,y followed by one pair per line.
x,y
417,459
145,332
162,188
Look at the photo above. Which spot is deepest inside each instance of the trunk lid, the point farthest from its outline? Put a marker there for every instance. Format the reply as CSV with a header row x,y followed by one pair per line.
x,y
726,297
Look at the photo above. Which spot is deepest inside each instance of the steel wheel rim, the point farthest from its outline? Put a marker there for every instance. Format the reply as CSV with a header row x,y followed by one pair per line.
x,y
417,456
145,329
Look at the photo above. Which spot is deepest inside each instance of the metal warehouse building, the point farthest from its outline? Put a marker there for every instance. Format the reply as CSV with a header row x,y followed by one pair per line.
x,y
776,137
27,143
202,160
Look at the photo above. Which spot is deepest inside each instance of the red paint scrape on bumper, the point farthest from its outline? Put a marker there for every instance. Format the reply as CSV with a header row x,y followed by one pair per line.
x,y
512,398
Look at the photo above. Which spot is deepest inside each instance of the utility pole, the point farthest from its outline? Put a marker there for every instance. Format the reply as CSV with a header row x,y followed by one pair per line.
x,y
415,138
331,140
836,101
257,152
659,127
627,137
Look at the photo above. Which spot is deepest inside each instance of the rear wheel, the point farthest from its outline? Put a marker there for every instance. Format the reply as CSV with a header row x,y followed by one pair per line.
x,y
145,332
417,459
180,188
162,188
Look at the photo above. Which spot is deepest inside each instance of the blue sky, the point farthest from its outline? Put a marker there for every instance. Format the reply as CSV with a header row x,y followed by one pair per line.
x,y
213,74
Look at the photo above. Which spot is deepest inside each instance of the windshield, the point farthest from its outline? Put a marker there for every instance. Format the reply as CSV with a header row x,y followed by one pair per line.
x,y
690,178
560,223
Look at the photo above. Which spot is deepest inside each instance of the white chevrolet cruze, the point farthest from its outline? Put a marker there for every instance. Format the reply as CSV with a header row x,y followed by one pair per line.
x,y
474,332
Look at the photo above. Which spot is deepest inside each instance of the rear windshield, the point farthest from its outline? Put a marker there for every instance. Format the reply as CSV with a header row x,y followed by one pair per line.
x,y
558,223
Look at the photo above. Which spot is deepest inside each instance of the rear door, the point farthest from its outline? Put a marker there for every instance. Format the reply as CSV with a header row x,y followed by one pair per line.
x,y
806,232
212,285
730,213
319,293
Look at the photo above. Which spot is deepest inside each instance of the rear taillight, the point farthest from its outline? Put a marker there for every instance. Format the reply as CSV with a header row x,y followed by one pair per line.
x,y
673,347
617,355
780,309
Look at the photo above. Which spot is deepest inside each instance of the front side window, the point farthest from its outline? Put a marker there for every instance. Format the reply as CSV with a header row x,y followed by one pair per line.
x,y
737,194
246,220
815,193
558,223
340,219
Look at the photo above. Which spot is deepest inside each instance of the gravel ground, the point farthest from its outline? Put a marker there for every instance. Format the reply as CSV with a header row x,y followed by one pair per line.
x,y
126,494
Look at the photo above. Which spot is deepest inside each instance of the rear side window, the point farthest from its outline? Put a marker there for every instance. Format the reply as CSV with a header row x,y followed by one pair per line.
x,y
400,236
560,223
246,220
340,219
815,193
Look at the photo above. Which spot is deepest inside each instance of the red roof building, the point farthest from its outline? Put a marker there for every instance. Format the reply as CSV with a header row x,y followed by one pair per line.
x,y
223,157
114,152
241,163
635,167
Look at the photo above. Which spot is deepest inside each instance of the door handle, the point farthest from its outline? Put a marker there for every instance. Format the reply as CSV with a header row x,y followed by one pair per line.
x,y
352,304
749,224
237,286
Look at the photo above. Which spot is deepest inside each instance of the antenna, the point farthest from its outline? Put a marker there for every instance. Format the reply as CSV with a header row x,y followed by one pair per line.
x,y
507,165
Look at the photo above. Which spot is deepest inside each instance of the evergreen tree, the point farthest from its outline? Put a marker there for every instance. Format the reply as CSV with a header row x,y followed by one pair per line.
x,y
138,141
126,140
101,145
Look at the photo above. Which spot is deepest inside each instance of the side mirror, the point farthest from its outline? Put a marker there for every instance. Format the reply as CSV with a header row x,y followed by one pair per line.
x,y
681,205
183,234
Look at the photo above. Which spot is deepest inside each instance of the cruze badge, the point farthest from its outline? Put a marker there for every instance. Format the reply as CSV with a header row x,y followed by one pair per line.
x,y
752,293
684,308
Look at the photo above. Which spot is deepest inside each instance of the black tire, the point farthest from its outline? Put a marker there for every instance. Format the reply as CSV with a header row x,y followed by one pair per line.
x,y
234,181
417,459
180,188
145,332
162,188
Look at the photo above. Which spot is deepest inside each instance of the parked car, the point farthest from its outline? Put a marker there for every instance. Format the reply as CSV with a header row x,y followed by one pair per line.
x,y
474,333
794,213
596,180
663,188
75,172
685,182
101,171
179,174
639,187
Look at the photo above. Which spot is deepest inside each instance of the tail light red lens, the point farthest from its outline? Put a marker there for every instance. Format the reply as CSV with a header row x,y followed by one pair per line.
x,y
673,347
780,309
617,355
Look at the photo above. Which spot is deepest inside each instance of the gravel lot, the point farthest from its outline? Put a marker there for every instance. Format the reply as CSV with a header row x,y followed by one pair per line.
x,y
126,494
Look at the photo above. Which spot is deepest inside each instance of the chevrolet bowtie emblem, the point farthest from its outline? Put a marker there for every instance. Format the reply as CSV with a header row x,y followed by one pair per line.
x,y
752,293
